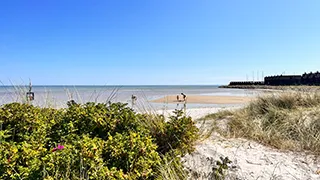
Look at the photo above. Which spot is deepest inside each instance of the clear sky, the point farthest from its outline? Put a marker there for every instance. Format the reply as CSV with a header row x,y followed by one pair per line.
x,y
138,42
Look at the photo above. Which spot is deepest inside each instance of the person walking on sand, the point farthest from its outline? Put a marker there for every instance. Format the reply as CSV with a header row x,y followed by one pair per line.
x,y
178,100
184,97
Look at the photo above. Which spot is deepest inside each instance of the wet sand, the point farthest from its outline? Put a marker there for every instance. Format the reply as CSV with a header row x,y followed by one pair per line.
x,y
198,99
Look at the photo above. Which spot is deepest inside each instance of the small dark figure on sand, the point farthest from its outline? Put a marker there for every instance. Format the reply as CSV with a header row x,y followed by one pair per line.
x,y
30,94
133,99
178,98
184,97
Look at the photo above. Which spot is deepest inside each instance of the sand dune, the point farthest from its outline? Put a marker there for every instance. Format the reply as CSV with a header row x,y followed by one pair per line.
x,y
250,160
206,99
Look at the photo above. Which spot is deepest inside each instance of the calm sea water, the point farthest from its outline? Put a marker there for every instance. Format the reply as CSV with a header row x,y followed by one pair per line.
x,y
57,96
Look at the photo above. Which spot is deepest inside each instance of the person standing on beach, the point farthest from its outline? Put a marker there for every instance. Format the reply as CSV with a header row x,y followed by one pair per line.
x,y
30,94
184,97
133,99
178,98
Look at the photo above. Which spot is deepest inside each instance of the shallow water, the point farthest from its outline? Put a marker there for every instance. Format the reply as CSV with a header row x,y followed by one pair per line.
x,y
57,96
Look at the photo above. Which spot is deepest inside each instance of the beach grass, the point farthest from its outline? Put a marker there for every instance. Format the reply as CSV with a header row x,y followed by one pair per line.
x,y
287,121
171,168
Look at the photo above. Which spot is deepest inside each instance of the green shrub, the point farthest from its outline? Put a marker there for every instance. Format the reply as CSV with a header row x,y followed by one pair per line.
x,y
24,139
98,120
90,141
132,152
179,133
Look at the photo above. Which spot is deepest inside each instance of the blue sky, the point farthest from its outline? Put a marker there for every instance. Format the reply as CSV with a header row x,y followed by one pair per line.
x,y
117,42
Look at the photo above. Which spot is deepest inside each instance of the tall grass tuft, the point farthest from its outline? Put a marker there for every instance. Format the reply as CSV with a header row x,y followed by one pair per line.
x,y
171,168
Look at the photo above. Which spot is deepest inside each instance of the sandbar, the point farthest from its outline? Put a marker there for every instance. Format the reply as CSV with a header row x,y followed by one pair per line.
x,y
200,99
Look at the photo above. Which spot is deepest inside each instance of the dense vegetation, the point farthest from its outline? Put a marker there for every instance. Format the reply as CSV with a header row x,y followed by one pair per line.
x,y
90,141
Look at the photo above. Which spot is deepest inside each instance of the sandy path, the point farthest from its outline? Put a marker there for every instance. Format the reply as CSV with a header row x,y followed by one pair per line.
x,y
197,113
206,99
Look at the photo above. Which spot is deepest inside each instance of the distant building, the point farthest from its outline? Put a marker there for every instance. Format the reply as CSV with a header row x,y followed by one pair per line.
x,y
310,78
282,80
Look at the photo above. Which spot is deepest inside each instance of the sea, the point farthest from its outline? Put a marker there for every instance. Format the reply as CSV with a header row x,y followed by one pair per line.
x,y
58,96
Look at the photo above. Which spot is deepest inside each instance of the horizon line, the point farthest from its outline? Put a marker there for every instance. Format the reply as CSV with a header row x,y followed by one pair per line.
x,y
117,85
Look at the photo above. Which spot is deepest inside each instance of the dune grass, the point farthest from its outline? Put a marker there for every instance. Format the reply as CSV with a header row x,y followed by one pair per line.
x,y
287,121
171,168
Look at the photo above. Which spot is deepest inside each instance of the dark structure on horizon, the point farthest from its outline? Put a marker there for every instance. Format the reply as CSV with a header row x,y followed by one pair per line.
x,y
284,80
311,78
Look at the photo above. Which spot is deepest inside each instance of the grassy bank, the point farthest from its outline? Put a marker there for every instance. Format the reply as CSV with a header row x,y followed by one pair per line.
x,y
288,121
92,141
